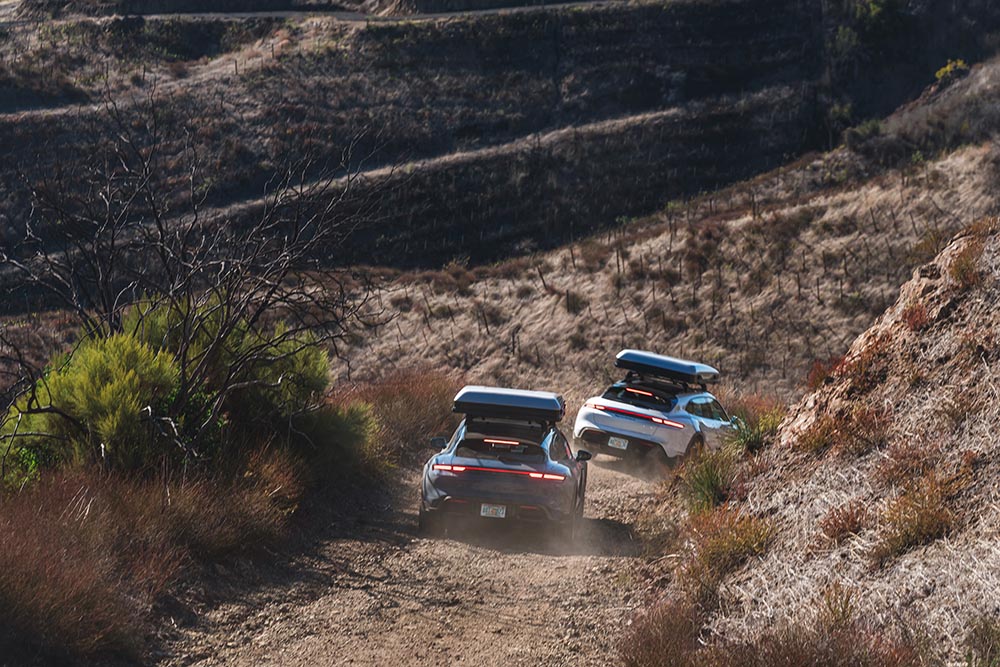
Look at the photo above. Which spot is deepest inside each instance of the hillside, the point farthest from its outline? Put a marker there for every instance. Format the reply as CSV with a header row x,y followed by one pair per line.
x,y
924,484
504,133
761,280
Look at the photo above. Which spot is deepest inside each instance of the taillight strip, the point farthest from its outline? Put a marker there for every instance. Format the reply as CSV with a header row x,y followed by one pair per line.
x,y
629,413
532,475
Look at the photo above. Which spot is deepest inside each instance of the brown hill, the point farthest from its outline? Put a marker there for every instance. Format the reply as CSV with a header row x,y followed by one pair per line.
x,y
903,438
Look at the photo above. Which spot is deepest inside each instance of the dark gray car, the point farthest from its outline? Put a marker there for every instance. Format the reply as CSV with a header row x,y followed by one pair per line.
x,y
506,462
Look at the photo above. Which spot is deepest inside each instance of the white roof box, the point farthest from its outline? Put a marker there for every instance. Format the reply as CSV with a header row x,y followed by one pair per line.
x,y
658,365
476,401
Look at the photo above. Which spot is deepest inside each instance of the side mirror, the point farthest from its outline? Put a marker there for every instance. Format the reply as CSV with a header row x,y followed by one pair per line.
x,y
737,423
583,455
439,443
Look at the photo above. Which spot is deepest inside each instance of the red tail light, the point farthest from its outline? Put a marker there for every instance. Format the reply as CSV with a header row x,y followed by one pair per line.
x,y
639,391
444,466
494,441
533,475
656,420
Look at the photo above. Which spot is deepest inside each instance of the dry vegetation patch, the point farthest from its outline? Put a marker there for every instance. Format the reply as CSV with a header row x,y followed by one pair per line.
x,y
843,522
719,541
919,515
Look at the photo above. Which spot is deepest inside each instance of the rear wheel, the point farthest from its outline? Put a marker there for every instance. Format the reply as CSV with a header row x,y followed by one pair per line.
x,y
569,528
429,524
695,448
661,465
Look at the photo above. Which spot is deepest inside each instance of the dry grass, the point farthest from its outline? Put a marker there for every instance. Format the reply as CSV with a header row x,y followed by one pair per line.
x,y
720,541
867,369
983,643
822,371
85,554
865,428
905,462
853,432
410,407
670,634
667,634
819,437
964,268
918,516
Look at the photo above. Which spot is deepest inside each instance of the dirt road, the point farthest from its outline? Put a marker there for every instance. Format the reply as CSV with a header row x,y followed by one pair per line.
x,y
374,593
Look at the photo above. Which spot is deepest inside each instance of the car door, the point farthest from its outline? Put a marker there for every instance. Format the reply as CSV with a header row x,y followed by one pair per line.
x,y
713,421
698,408
725,428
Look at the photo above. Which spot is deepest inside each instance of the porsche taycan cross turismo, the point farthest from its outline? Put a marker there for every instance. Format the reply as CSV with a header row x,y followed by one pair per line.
x,y
507,462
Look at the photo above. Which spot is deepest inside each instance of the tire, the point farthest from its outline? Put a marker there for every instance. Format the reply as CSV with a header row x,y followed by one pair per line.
x,y
661,465
429,524
569,528
695,448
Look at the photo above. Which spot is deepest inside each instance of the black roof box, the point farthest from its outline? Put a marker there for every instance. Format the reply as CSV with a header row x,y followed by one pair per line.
x,y
658,365
476,401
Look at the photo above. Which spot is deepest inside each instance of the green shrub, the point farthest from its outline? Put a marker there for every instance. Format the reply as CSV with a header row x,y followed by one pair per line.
x,y
756,430
954,70
708,478
93,406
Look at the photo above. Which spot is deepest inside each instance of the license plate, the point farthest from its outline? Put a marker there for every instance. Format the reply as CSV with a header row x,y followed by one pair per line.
x,y
618,443
493,511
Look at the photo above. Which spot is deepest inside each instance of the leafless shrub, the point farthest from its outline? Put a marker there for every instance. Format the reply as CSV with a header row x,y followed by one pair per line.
x,y
721,541
918,516
107,244
904,462
842,522
915,316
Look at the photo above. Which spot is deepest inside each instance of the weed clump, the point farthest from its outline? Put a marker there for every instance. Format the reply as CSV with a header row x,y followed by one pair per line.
x,y
721,541
842,522
918,516
708,478
758,421
818,437
964,268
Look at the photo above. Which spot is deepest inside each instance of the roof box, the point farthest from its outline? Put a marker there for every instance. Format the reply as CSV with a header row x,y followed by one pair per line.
x,y
475,401
658,365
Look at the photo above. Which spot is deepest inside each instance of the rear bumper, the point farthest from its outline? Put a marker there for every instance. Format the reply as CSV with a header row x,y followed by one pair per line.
x,y
598,441
470,508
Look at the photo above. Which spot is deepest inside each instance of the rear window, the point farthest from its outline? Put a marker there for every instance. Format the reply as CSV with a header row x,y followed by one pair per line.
x,y
501,450
641,397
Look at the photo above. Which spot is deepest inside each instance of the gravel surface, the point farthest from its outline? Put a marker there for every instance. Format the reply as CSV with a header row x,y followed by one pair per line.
x,y
376,594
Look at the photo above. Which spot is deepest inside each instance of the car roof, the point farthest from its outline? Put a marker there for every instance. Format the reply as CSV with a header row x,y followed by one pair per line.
x,y
481,401
658,365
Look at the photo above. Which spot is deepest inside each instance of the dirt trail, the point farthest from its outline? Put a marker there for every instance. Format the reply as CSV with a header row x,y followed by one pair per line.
x,y
378,595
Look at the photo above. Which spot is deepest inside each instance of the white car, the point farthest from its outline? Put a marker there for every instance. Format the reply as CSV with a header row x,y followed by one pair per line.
x,y
662,405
